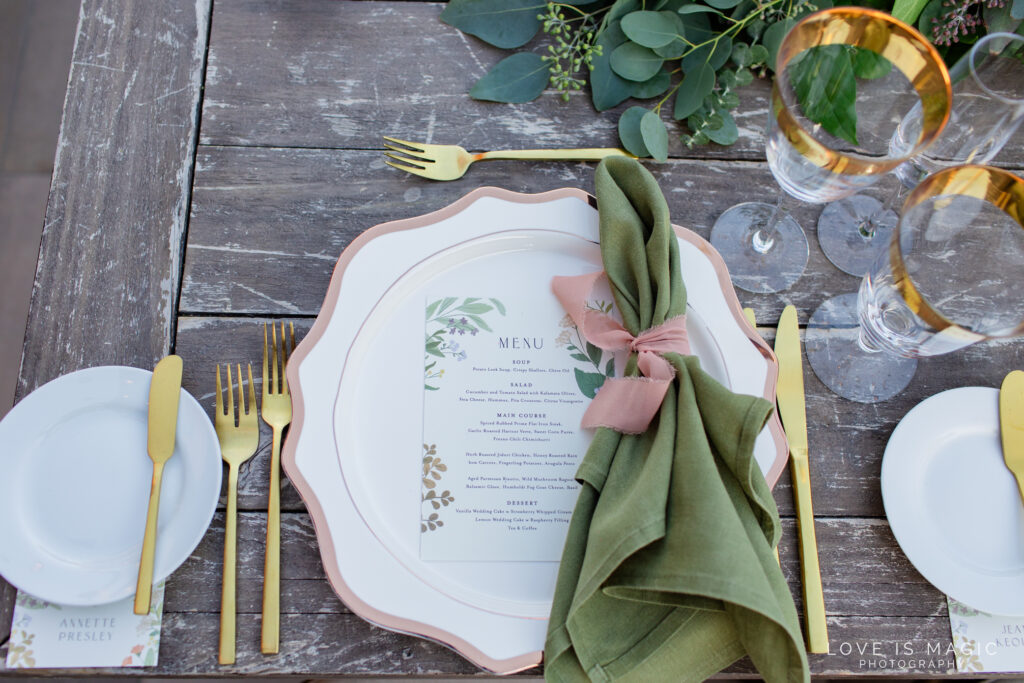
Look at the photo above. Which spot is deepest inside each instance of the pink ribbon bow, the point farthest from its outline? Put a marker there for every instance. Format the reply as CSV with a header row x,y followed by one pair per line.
x,y
626,404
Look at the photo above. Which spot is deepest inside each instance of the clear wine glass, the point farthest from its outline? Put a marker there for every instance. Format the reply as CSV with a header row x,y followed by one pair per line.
x,y
951,277
834,68
988,106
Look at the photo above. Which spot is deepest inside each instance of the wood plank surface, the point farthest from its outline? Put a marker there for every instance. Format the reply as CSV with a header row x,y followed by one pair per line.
x,y
112,244
288,171
868,592
331,74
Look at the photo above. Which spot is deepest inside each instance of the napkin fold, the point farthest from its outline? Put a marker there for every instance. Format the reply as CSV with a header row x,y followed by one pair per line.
x,y
667,571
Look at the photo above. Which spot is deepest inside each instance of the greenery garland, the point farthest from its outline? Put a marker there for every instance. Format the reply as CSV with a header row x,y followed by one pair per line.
x,y
691,56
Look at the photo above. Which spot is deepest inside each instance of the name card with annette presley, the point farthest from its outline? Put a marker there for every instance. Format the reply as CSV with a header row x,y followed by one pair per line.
x,y
48,636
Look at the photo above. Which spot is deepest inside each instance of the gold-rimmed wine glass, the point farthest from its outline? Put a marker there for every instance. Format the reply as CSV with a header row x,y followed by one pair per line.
x,y
988,106
815,150
951,277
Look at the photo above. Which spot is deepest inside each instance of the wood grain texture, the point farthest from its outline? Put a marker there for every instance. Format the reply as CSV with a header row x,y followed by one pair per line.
x,y
110,257
111,247
874,599
268,224
331,74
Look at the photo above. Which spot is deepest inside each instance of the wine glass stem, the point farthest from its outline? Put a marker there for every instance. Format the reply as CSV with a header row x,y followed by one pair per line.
x,y
865,343
762,239
869,225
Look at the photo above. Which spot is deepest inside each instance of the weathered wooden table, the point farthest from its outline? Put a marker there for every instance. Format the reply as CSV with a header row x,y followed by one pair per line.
x,y
214,160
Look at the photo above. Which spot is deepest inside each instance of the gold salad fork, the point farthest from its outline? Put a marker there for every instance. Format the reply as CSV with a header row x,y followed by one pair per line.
x,y
448,162
277,412
239,434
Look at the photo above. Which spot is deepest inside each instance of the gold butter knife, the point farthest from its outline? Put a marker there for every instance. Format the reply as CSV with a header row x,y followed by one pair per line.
x,y
164,391
1011,425
790,395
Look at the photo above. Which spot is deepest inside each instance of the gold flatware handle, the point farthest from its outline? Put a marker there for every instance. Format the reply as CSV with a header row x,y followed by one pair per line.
x,y
228,591
144,587
270,635
582,154
810,572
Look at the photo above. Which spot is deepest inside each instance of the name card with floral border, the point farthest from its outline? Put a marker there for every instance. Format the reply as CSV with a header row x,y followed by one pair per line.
x,y
48,636
986,642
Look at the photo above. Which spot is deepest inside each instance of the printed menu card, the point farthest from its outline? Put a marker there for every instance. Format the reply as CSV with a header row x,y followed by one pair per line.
x,y
507,379
45,636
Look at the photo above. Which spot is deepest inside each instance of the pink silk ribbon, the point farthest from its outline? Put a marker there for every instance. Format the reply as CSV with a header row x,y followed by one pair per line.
x,y
625,404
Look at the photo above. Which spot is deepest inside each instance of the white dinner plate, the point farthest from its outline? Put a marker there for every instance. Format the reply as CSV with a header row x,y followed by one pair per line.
x,y
358,399
76,484
952,504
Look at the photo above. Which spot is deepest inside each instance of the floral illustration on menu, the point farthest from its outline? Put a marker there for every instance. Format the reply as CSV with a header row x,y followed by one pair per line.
x,y
431,499
447,321
598,368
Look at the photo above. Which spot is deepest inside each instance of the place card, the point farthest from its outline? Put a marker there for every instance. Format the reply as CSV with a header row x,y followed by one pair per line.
x,y
507,380
48,636
986,642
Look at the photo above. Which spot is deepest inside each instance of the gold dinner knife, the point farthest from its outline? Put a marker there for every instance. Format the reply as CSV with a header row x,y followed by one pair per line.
x,y
790,394
164,390
1011,425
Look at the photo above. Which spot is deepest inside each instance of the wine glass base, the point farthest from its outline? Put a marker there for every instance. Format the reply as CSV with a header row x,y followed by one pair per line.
x,y
774,270
842,365
840,237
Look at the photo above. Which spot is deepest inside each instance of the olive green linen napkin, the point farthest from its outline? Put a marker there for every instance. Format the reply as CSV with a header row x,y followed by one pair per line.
x,y
667,572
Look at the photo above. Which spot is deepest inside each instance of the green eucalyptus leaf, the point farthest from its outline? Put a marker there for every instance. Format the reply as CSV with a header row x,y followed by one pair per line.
x,y
869,65
630,133
723,4
674,50
744,77
930,12
1000,19
652,29
826,89
621,8
654,86
698,9
655,135
608,89
716,54
758,55
730,100
773,36
1017,9
741,55
908,10
726,133
518,78
635,62
502,23
696,85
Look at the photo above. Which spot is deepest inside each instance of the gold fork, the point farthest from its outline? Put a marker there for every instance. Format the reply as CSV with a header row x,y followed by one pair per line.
x,y
448,162
239,433
276,409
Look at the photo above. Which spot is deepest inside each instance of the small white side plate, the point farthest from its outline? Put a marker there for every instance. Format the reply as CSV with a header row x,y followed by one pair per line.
x,y
952,503
75,487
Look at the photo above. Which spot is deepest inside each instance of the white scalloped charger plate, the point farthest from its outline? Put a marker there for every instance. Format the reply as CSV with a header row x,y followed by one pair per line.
x,y
357,390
